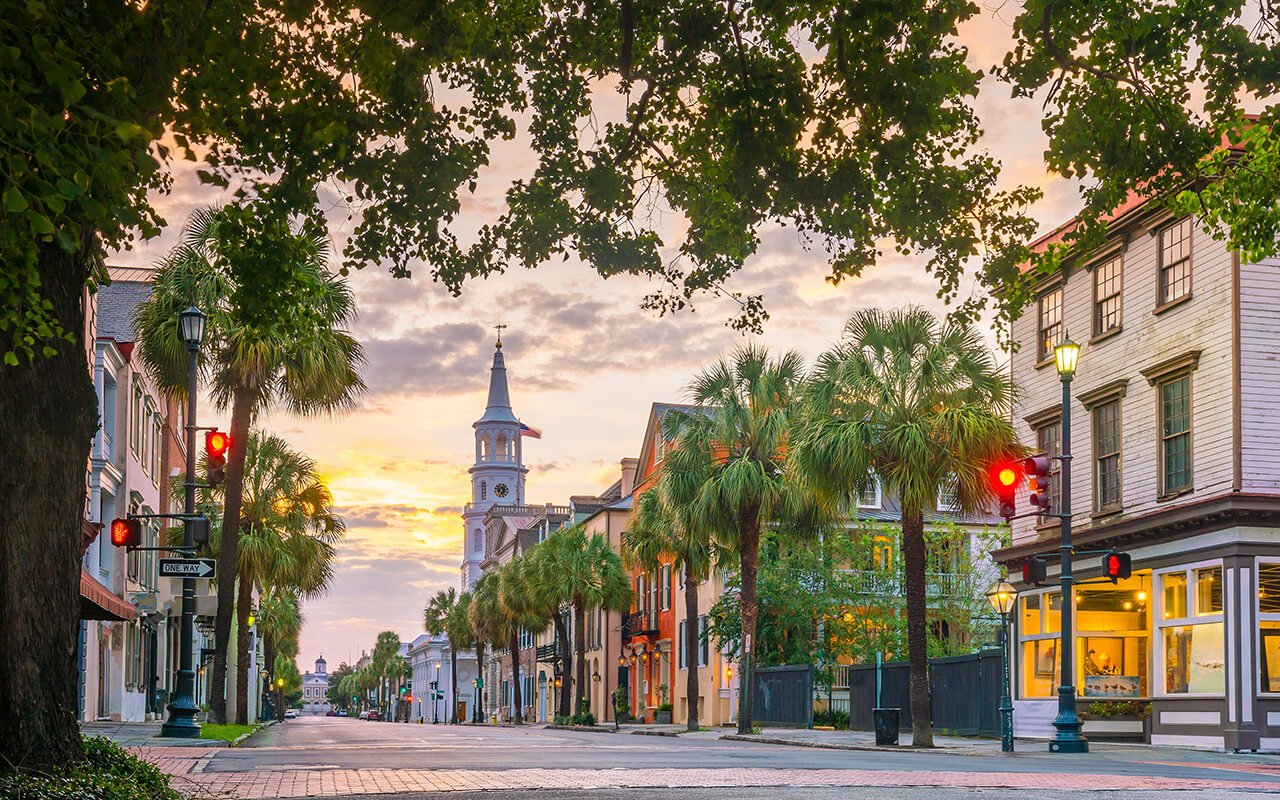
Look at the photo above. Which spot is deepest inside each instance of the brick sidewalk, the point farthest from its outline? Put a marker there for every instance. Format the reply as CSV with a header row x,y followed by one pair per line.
x,y
186,765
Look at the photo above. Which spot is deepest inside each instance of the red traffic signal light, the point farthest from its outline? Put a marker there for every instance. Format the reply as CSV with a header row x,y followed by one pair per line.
x,y
1117,566
1005,479
1034,570
1037,470
126,532
216,446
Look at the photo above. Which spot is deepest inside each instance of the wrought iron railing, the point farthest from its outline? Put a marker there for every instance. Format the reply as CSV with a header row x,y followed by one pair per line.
x,y
639,623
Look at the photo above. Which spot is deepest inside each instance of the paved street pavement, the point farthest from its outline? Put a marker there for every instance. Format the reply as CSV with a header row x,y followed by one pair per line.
x,y
334,757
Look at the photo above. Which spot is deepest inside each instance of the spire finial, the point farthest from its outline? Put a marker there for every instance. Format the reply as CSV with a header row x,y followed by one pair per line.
x,y
499,328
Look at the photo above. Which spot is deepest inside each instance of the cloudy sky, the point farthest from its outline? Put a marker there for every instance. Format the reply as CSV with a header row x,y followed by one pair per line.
x,y
584,362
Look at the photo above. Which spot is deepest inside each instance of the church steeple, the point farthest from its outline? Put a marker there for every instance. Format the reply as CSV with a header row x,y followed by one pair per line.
x,y
499,407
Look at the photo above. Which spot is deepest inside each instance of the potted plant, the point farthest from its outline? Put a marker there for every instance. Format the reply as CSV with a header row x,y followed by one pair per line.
x,y
662,715
1118,719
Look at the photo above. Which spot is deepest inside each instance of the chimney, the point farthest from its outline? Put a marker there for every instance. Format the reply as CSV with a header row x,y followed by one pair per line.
x,y
629,467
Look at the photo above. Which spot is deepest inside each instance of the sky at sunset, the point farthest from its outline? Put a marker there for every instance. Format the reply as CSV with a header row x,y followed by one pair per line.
x,y
584,360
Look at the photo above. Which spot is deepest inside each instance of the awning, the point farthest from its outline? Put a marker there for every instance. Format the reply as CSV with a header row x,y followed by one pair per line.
x,y
97,602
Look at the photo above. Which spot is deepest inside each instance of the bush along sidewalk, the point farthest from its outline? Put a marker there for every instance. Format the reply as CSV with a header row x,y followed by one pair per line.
x,y
107,772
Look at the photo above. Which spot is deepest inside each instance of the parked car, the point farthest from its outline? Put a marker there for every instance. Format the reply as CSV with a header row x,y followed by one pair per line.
x,y
364,715
342,712
333,712
376,716
292,713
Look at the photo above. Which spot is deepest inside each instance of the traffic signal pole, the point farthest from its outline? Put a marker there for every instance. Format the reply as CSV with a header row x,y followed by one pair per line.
x,y
182,711
1067,737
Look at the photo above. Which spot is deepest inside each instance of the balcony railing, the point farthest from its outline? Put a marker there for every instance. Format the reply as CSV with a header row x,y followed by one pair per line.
x,y
639,623
875,582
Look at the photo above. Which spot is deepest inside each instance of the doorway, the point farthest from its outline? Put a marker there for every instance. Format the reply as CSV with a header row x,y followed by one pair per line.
x,y
104,667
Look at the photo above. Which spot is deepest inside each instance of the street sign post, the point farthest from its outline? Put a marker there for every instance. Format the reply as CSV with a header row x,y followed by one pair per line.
x,y
188,567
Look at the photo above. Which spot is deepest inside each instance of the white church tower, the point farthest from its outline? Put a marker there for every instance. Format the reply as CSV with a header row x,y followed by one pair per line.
x,y
497,477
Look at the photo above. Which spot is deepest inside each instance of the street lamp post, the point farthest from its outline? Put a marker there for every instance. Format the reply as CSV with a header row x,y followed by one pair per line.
x,y
1067,737
1002,596
182,711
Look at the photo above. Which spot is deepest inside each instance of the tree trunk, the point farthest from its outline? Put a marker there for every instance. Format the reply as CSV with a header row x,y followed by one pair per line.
x,y
749,561
269,661
244,601
48,416
563,657
580,653
477,708
517,700
453,679
913,567
691,648
241,412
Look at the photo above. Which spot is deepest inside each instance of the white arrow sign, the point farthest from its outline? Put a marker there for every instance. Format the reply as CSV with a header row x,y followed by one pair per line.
x,y
188,567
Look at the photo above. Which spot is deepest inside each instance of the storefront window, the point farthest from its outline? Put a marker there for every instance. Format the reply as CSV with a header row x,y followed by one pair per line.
x,y
1174,586
1209,591
1269,622
1269,663
1194,662
1191,635
1053,615
1113,662
1031,614
1040,668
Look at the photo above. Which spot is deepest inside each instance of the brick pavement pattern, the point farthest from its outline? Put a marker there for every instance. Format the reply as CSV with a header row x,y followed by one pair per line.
x,y
187,764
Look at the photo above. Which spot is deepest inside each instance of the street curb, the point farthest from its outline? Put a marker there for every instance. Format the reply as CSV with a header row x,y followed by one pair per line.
x,y
672,734
739,737
244,736
583,728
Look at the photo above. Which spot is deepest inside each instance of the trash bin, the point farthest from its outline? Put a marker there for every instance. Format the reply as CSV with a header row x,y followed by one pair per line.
x,y
886,721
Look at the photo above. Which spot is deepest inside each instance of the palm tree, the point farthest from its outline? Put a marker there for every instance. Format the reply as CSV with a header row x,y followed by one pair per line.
x,y
586,571
728,467
446,613
279,622
657,533
490,619
546,592
275,334
288,535
921,406
520,601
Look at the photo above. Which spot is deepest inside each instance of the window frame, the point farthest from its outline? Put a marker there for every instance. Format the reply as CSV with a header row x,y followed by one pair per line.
x,y
704,654
681,629
1165,491
1159,623
879,496
665,590
1044,350
1162,300
1260,617
1116,261
1100,507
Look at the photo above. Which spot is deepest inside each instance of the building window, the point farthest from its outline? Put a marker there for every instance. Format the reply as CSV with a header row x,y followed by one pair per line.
x,y
1049,442
1269,627
1050,323
1040,627
1175,261
702,641
1106,455
135,419
659,445
682,647
1190,631
484,490
666,587
642,596
869,497
947,500
477,540
1106,296
1175,435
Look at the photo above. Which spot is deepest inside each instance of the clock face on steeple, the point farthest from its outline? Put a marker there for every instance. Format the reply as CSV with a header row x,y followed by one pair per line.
x,y
501,490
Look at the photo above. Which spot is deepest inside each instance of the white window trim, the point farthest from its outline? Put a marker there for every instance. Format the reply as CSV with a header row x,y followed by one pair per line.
x,y
946,508
879,501
1157,657
1019,690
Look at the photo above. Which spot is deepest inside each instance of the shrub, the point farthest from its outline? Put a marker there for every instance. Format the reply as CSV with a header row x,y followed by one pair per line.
x,y
586,718
562,720
106,773
664,707
1123,708
834,719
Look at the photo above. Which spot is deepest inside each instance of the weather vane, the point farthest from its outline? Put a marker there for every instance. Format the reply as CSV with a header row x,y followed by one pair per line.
x,y
499,327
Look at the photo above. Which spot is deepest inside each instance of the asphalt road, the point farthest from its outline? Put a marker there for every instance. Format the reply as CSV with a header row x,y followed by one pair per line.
x,y
320,743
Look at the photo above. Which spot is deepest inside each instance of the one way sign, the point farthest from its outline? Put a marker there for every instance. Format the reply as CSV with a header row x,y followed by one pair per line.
x,y
188,567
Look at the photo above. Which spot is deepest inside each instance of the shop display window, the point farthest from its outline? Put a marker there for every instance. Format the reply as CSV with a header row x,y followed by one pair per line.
x,y
1190,636
1269,663
1040,673
1269,625
1194,660
1113,661
1174,586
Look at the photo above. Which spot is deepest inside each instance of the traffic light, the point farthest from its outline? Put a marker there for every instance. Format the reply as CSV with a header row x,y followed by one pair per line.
x,y
1117,566
126,532
1005,477
199,529
1034,570
1037,471
216,445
